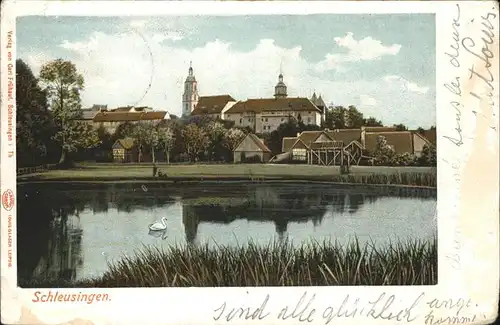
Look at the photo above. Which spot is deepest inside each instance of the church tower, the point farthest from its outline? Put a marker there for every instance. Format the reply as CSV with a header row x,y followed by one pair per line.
x,y
190,96
280,88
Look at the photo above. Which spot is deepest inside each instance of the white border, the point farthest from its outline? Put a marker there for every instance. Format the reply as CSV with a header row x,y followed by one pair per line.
x,y
468,196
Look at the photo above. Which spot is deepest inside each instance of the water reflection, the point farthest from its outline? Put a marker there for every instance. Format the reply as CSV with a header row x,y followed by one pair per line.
x,y
63,230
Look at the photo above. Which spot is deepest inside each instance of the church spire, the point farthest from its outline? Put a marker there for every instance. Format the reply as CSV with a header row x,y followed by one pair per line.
x,y
280,88
190,96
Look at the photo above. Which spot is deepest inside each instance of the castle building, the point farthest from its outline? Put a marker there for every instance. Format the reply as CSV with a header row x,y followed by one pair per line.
x,y
264,115
190,96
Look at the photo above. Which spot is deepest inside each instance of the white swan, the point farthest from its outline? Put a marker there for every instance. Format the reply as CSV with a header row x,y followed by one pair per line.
x,y
157,226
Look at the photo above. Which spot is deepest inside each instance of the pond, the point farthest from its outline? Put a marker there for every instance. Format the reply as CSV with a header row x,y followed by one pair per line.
x,y
70,231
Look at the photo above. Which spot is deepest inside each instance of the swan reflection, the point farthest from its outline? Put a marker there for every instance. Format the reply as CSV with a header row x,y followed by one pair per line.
x,y
158,234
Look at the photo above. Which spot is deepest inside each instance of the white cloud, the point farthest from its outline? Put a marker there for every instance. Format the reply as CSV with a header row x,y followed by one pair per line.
x,y
366,49
118,69
171,35
405,84
138,23
365,100
142,26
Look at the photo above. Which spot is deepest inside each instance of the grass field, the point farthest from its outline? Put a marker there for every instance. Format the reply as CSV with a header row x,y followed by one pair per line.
x,y
413,176
278,264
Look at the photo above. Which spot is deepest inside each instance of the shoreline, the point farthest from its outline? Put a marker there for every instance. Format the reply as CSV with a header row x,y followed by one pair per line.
x,y
211,181
406,177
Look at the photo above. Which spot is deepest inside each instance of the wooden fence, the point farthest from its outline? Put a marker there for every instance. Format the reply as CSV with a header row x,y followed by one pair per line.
x,y
35,169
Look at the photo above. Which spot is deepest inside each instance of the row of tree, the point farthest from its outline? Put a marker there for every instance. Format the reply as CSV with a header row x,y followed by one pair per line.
x,y
193,139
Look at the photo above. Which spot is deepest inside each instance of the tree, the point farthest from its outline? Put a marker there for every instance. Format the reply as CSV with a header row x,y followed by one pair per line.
x,y
106,143
428,156
63,85
288,129
232,138
166,140
124,130
141,132
400,127
384,153
195,140
371,121
355,118
336,117
34,123
151,138
215,132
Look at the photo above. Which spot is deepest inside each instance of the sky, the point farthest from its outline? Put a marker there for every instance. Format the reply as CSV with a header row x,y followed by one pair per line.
x,y
382,64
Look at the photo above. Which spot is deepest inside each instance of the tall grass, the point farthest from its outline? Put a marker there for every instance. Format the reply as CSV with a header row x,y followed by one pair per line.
x,y
277,264
411,179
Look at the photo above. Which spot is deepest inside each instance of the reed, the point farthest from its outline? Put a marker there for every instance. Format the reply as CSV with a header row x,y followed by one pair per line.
x,y
411,179
276,264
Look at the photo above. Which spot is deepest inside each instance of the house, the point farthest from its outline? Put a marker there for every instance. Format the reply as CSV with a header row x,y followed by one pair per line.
x,y
326,147
251,149
265,115
89,113
333,146
111,120
213,106
378,129
131,109
125,150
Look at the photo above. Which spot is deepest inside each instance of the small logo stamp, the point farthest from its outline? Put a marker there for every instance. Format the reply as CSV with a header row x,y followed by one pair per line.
x,y
8,200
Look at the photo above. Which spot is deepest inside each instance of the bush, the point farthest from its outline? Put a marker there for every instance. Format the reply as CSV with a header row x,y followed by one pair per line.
x,y
251,160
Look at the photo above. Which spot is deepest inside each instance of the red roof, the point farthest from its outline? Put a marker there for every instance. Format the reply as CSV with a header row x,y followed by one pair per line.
x,y
211,104
430,135
345,135
287,143
274,104
379,128
257,141
128,116
402,141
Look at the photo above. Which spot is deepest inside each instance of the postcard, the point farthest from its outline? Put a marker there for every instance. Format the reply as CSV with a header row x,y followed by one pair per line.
x,y
213,162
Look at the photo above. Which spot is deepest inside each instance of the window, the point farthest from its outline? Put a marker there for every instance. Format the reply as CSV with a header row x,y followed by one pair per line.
x,y
241,120
217,115
282,119
299,154
266,119
118,154
308,120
